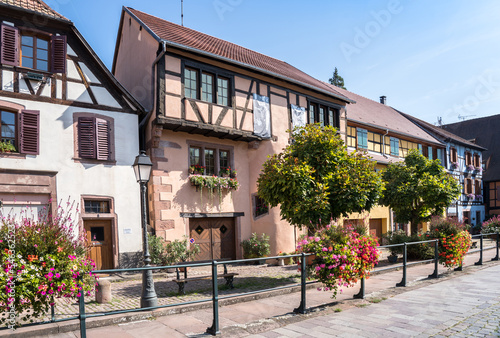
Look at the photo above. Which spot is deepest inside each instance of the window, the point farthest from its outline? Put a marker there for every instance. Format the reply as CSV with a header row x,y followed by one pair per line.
x,y
25,137
211,156
261,207
206,86
362,136
324,115
467,186
35,52
351,136
477,160
95,139
42,52
439,155
466,215
429,152
394,146
312,113
190,83
96,207
477,187
468,158
453,155
375,142
223,91
405,146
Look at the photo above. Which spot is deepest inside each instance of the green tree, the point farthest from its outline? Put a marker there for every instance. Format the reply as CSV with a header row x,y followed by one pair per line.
x,y
336,79
417,189
315,179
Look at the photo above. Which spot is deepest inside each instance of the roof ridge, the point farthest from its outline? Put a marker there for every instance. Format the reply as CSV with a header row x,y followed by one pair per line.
x,y
478,118
31,5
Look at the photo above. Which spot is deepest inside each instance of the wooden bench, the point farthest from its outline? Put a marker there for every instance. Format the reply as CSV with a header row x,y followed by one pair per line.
x,y
182,281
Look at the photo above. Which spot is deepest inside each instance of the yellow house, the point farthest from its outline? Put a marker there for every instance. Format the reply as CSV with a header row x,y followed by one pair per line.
x,y
386,136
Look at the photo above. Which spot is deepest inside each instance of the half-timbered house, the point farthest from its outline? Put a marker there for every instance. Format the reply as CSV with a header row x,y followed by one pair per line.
x,y
71,131
215,105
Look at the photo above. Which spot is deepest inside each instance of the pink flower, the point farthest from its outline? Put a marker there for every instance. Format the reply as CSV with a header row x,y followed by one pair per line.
x,y
317,239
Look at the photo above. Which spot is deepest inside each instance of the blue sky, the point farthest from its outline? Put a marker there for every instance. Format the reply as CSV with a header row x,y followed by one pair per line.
x,y
430,58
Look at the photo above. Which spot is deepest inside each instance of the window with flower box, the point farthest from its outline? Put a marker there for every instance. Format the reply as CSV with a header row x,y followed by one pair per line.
x,y
453,155
260,206
20,130
210,159
477,161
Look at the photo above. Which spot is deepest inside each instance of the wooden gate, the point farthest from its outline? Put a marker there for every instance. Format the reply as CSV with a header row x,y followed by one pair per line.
x,y
376,227
100,238
215,236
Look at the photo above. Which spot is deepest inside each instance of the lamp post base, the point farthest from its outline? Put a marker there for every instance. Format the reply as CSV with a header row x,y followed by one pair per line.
x,y
148,297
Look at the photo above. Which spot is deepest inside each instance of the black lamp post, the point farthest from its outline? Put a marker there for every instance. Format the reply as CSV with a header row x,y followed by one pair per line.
x,y
142,168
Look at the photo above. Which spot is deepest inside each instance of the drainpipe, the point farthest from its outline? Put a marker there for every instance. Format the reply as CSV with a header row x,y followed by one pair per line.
x,y
143,121
383,143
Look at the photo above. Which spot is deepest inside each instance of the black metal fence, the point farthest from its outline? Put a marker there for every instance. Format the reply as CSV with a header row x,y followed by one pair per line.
x,y
302,308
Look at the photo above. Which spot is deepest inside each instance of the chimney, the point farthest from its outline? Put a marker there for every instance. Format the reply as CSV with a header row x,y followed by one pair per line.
x,y
383,99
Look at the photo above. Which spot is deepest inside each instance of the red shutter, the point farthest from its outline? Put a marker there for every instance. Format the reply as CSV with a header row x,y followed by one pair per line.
x,y
9,46
86,137
102,139
29,128
58,54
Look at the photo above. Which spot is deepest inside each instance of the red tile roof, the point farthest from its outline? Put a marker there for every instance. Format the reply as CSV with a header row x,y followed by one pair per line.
x,y
379,115
37,6
187,37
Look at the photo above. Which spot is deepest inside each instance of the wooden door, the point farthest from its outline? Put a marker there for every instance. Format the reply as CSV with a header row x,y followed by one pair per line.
x,y
215,236
376,227
100,238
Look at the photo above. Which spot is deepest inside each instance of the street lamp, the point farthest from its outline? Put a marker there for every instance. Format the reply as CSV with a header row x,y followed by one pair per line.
x,y
142,169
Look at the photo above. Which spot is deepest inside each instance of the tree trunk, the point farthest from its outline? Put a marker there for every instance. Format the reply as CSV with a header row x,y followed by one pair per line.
x,y
414,226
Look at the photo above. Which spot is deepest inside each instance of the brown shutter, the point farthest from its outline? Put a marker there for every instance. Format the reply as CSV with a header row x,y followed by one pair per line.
x,y
29,128
86,137
9,47
102,139
58,54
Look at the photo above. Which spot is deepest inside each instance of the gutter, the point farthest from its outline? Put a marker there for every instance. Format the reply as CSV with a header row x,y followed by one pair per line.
x,y
144,120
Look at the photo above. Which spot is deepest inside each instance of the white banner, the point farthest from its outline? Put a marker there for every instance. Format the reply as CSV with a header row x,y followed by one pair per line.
x,y
261,116
298,116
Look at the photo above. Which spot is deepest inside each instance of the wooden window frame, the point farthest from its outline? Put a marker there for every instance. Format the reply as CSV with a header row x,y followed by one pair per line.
x,y
453,155
27,129
260,207
477,188
477,160
35,36
217,148
110,134
216,74
330,116
351,139
468,158
373,142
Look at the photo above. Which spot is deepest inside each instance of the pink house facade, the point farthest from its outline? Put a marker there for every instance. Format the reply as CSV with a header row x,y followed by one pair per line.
x,y
216,105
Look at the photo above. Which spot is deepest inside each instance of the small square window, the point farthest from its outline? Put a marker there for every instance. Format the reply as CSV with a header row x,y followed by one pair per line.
x,y
97,234
96,207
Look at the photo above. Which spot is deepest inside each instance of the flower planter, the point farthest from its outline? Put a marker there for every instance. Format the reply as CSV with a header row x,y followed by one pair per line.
x,y
392,259
310,259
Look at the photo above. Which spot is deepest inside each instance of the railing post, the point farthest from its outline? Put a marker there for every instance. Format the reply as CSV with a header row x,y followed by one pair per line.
x,y
302,306
498,240
361,294
52,312
480,261
436,260
214,329
405,260
81,312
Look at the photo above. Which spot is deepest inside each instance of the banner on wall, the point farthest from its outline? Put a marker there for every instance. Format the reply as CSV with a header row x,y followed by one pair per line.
x,y
298,116
261,116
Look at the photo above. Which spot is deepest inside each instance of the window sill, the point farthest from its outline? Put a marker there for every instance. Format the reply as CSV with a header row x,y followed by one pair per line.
x,y
93,161
25,71
13,155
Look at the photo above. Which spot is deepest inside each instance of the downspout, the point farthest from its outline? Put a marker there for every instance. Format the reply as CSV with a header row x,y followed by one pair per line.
x,y
145,119
383,142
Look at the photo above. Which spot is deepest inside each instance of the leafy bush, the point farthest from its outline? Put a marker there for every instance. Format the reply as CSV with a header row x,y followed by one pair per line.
x,y
256,247
170,253
454,240
48,262
420,251
342,256
491,226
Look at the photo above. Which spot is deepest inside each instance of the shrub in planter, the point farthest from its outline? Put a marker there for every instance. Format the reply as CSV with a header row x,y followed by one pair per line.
x,y
256,246
342,256
420,251
454,240
41,260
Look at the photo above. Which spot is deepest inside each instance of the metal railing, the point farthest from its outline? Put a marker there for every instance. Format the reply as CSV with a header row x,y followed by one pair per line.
x,y
302,308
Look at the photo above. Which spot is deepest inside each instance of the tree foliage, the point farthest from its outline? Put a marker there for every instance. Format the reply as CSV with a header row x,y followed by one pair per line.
x,y
315,179
418,188
337,80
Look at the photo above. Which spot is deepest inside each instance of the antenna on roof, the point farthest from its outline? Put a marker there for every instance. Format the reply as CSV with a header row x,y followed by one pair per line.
x,y
464,117
182,12
440,121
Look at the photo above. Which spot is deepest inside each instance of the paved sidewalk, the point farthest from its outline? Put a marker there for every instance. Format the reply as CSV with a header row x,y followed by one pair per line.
x,y
437,303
